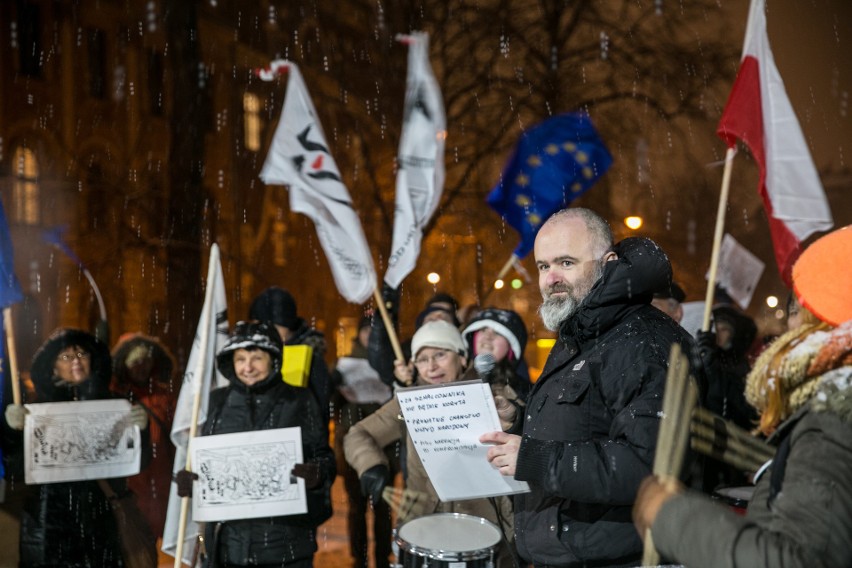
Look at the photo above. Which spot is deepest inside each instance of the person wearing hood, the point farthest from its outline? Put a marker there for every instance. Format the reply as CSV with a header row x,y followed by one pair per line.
x,y
800,513
277,306
440,355
258,399
503,335
71,524
143,372
590,425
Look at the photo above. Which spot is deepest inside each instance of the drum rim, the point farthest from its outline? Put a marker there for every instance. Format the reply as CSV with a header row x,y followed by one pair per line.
x,y
440,554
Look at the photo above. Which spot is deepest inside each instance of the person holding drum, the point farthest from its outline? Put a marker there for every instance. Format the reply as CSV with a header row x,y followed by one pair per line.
x,y
440,356
800,513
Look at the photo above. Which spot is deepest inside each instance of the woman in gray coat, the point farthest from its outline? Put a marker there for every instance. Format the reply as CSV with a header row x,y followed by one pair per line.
x,y
801,510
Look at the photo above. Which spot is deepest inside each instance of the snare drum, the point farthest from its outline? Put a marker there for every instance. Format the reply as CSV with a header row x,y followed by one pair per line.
x,y
450,540
736,498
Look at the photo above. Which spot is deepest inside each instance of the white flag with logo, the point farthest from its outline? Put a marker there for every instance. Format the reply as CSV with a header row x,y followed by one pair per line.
x,y
200,377
299,157
420,177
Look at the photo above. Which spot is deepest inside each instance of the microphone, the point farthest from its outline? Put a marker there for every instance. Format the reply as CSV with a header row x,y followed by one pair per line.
x,y
484,364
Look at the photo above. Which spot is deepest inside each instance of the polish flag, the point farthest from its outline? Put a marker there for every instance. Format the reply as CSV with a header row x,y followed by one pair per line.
x,y
759,113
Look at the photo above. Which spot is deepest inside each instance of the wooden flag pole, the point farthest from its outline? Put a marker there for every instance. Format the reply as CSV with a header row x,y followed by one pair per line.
x,y
12,355
380,303
717,238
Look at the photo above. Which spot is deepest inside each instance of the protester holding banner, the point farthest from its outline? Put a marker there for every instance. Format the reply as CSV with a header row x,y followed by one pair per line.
x,y
278,306
440,355
71,523
255,400
801,511
591,421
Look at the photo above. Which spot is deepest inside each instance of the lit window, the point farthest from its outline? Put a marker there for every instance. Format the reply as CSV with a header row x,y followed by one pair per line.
x,y
25,189
251,118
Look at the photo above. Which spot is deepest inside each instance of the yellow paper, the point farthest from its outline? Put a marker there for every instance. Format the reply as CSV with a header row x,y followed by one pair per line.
x,y
297,365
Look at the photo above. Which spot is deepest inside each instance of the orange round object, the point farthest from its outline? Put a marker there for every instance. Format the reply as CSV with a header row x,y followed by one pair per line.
x,y
822,277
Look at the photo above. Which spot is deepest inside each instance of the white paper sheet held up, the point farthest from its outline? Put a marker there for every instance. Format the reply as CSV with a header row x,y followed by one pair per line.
x,y
75,441
445,423
247,475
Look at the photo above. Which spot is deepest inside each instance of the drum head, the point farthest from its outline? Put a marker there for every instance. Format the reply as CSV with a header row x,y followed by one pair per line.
x,y
450,532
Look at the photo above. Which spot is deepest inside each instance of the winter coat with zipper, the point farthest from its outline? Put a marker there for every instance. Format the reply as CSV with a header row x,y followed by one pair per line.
x,y
807,524
591,422
71,524
267,405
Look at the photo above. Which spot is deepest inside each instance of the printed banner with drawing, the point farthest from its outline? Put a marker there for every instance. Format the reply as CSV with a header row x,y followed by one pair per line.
x,y
247,475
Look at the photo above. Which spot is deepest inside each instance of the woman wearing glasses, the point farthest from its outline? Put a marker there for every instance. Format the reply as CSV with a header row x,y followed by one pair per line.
x,y
70,523
439,355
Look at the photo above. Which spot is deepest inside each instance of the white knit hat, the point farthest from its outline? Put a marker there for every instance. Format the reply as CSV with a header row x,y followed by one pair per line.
x,y
440,335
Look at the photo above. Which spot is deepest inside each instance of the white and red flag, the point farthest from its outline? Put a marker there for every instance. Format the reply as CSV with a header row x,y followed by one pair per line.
x,y
759,113
299,158
420,177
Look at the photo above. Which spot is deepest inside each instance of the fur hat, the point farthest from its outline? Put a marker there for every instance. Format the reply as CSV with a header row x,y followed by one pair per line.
x,y
44,360
275,305
438,334
822,274
505,322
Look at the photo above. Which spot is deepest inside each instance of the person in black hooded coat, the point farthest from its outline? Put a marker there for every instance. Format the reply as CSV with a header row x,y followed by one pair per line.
x,y
71,524
256,401
592,418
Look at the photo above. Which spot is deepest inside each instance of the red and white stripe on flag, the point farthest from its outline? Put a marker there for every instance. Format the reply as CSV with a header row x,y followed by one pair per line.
x,y
759,113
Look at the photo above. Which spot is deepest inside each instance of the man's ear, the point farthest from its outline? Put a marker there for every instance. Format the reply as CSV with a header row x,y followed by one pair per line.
x,y
610,256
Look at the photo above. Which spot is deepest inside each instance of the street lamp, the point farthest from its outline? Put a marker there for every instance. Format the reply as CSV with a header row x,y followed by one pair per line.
x,y
433,278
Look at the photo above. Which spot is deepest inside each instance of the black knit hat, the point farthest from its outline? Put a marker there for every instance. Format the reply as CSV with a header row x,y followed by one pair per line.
x,y
505,322
421,317
250,335
44,360
275,305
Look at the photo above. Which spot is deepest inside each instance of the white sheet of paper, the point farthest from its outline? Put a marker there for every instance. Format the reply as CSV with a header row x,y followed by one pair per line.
x,y
739,271
75,441
247,475
361,383
445,423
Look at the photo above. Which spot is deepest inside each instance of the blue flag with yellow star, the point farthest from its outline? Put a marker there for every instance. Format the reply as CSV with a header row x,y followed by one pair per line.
x,y
554,163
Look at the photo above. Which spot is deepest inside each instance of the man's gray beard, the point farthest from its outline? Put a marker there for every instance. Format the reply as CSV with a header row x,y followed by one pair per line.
x,y
554,311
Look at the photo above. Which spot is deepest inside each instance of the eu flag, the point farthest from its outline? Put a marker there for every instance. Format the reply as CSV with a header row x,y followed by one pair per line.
x,y
10,290
554,162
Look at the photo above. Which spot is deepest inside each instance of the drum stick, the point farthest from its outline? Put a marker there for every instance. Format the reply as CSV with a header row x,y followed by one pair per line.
x,y
745,462
722,426
736,460
722,443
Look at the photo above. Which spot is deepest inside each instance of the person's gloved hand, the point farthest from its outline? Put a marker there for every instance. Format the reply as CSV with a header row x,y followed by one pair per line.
x,y
139,416
15,416
506,411
704,351
310,472
183,479
403,372
374,481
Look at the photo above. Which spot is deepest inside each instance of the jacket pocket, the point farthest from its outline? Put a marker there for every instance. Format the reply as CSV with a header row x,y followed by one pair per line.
x,y
573,390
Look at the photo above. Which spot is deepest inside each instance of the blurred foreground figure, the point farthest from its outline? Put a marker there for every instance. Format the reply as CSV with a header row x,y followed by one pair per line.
x,y
592,417
801,511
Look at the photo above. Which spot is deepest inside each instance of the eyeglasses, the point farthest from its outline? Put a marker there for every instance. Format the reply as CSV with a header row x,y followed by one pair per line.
x,y
437,357
71,356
